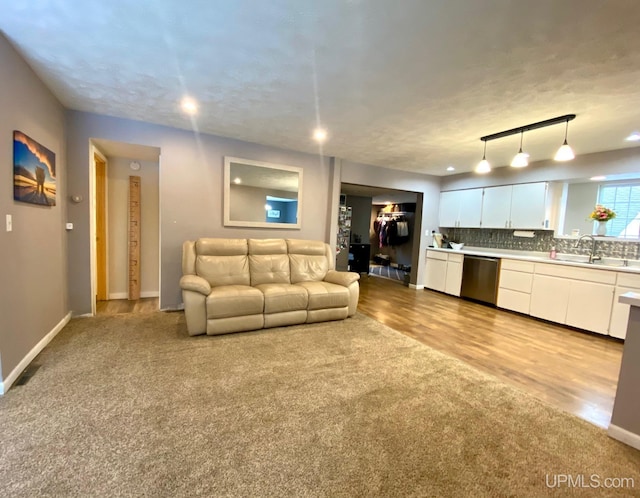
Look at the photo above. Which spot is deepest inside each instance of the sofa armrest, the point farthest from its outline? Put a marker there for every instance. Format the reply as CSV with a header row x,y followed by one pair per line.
x,y
195,283
344,278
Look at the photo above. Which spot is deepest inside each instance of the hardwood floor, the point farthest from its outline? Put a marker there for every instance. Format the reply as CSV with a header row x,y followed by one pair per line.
x,y
116,306
575,371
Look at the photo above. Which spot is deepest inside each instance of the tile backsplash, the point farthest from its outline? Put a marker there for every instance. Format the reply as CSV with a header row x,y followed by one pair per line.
x,y
541,242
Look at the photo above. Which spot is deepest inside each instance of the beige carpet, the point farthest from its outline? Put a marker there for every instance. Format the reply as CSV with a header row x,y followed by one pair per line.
x,y
131,406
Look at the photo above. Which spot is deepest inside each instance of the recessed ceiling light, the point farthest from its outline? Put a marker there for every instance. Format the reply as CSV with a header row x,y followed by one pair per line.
x,y
634,137
451,168
598,178
189,106
237,181
320,135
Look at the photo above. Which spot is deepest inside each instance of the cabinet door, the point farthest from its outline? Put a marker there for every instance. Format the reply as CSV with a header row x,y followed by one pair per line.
x,y
449,209
514,300
620,314
436,273
453,279
470,208
528,205
549,298
589,306
496,207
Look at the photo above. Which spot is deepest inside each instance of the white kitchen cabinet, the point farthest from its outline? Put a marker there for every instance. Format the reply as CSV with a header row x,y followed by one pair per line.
x,y
453,280
589,306
444,272
436,271
550,298
514,288
580,297
626,282
496,207
529,205
460,208
522,206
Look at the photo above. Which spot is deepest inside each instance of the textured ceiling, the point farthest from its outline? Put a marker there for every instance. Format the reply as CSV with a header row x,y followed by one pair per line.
x,y
408,84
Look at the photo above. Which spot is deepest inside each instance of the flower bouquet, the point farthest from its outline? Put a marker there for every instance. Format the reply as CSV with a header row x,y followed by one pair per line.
x,y
602,213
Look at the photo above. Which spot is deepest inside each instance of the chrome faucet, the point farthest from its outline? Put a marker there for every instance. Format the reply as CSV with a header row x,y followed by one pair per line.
x,y
592,255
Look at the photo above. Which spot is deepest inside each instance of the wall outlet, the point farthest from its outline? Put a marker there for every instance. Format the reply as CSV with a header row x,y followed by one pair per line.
x,y
9,223
69,226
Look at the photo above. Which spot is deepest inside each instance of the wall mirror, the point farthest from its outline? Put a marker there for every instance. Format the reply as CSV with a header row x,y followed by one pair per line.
x,y
260,194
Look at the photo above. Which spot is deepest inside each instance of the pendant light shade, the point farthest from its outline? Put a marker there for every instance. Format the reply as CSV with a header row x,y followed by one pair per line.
x,y
483,166
521,159
565,152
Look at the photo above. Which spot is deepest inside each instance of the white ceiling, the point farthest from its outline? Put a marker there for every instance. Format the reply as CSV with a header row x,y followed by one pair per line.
x,y
408,84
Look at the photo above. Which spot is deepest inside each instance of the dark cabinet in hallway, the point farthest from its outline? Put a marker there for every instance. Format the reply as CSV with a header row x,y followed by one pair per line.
x,y
359,255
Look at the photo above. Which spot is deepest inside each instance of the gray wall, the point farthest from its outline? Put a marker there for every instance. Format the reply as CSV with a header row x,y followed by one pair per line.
x,y
581,198
360,217
191,175
33,271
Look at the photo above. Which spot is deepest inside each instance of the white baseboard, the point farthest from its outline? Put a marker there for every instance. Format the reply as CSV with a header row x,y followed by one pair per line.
x,y
15,373
416,287
624,436
125,295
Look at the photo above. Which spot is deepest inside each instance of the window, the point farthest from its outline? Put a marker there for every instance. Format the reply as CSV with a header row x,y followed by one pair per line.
x,y
624,199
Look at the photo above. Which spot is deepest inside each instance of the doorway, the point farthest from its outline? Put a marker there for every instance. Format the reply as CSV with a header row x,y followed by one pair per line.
x,y
381,232
116,253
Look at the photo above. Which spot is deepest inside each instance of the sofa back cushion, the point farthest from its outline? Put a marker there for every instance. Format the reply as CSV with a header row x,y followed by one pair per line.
x,y
223,261
308,260
268,261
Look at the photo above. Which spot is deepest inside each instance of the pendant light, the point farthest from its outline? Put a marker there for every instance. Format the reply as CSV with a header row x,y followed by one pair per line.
x,y
565,153
521,159
483,166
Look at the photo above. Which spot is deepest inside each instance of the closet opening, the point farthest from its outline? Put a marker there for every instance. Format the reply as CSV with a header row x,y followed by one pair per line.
x,y
376,231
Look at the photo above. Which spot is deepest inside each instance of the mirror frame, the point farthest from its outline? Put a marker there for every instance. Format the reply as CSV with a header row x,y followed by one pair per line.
x,y
257,224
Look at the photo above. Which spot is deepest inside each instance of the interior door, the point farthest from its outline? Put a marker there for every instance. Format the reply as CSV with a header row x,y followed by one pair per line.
x,y
101,229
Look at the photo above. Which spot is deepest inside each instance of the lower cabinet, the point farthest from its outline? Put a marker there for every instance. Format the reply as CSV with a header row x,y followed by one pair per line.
x,y
514,288
579,297
453,280
620,313
550,298
444,272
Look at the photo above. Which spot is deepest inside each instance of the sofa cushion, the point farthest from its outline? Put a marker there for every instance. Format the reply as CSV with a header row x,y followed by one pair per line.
x,y
223,261
325,295
283,297
234,300
268,261
308,259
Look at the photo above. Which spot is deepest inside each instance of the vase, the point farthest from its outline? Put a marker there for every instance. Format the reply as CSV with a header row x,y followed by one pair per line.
x,y
601,228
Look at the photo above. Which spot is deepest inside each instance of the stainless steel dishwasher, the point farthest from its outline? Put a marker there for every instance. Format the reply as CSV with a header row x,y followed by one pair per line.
x,y
480,278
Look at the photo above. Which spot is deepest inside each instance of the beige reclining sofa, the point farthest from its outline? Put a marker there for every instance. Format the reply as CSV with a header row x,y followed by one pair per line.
x,y
232,285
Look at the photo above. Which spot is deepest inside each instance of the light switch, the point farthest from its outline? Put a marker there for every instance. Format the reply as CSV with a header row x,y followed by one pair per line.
x,y
9,223
69,226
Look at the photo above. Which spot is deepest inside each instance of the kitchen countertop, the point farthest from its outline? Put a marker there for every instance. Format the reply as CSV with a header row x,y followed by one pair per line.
x,y
579,260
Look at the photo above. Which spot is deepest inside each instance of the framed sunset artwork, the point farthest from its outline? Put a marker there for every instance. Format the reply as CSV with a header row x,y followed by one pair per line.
x,y
34,171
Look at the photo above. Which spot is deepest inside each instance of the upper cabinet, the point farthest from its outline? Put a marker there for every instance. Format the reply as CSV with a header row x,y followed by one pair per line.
x,y
461,208
523,206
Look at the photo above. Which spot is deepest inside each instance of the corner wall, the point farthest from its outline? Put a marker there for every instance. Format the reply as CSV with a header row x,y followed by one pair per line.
x,y
33,261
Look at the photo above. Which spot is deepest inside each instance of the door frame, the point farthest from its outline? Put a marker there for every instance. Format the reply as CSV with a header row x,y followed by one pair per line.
x,y
93,152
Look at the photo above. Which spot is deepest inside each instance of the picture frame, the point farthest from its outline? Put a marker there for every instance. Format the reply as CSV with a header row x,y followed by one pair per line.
x,y
34,171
